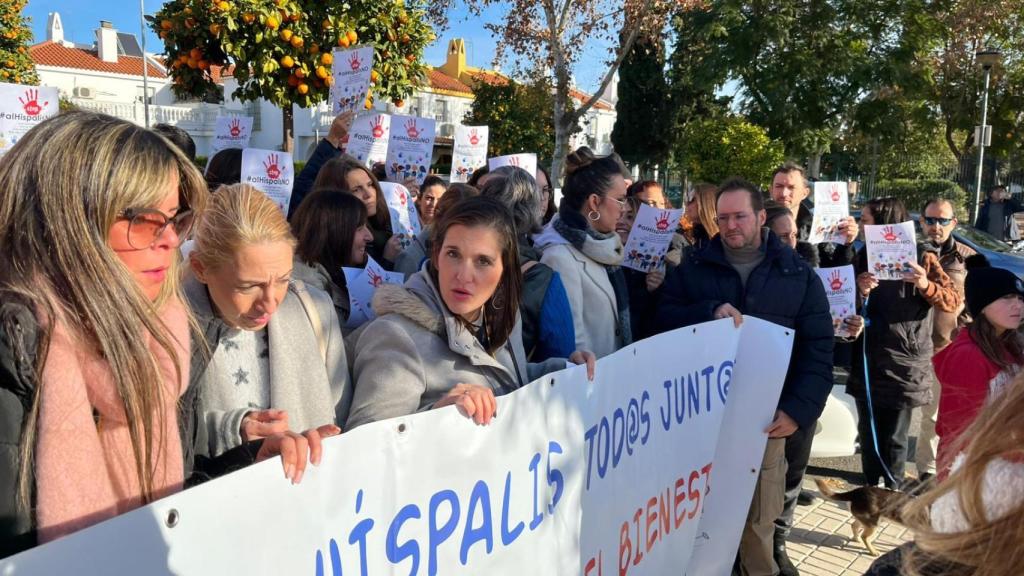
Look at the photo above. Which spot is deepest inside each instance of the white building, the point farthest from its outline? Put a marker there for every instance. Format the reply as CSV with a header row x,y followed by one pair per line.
x,y
107,76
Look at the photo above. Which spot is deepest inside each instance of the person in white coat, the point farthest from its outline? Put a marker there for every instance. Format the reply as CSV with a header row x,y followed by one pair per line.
x,y
580,244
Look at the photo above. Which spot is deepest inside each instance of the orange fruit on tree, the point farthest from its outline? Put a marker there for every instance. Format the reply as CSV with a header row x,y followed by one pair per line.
x,y
329,81
369,104
272,23
203,65
287,61
286,35
303,88
343,41
214,28
299,72
321,72
163,36
326,24
249,17
374,76
352,37
295,17
223,6
166,24
314,49
293,81
193,63
398,102
195,53
297,41
327,58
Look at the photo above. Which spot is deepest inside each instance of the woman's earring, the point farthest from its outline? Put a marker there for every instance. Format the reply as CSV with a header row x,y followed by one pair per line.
x,y
593,215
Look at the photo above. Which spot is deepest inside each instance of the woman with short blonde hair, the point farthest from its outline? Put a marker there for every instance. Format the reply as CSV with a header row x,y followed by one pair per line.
x,y
276,360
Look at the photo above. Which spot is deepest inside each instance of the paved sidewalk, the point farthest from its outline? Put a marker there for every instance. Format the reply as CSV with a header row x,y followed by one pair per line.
x,y
822,543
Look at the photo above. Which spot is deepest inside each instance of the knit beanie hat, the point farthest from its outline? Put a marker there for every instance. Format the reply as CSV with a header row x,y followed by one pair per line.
x,y
985,285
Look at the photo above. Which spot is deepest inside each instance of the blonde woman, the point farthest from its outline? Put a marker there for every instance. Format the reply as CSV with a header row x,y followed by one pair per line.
x,y
276,361
94,338
972,524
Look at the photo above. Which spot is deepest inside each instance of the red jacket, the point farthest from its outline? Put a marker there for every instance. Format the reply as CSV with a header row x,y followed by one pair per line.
x,y
967,378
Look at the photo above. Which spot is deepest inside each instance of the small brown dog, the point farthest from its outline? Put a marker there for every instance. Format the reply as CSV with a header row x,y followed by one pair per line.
x,y
868,505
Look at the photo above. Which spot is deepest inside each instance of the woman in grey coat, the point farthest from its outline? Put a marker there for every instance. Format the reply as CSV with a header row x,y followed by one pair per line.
x,y
276,360
452,334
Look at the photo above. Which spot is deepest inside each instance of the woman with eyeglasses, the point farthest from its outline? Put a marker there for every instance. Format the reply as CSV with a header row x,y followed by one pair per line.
x,y
276,360
94,335
581,245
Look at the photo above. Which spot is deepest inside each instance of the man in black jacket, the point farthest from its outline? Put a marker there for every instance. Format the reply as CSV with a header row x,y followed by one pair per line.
x,y
746,270
789,188
996,214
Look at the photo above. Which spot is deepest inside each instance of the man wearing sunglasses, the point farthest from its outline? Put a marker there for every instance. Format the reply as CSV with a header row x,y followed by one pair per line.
x,y
938,220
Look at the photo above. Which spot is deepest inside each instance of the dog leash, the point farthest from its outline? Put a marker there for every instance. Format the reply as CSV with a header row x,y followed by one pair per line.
x,y
871,409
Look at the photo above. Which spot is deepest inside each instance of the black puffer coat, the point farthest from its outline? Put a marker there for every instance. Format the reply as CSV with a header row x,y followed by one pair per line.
x,y
782,289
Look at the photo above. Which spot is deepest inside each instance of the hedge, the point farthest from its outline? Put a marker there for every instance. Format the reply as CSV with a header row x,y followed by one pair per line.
x,y
914,193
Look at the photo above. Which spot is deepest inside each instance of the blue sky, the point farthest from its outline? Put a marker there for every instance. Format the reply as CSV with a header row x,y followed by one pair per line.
x,y
81,18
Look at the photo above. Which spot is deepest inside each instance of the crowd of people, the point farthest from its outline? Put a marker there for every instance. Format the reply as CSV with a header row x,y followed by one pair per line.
x,y
161,326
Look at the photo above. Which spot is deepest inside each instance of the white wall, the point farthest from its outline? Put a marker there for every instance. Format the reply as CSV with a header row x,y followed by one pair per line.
x,y
109,87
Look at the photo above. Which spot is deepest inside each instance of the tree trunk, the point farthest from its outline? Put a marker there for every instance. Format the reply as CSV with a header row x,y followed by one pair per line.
x,y
814,165
562,121
287,129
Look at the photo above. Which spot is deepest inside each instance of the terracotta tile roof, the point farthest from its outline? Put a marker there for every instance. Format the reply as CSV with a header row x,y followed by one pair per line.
x,y
582,97
51,54
488,77
219,73
441,81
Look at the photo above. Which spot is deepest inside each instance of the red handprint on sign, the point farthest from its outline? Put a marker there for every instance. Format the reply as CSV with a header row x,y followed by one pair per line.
x,y
354,62
375,279
662,222
835,193
377,124
411,129
514,161
835,281
235,128
30,103
270,165
473,138
889,234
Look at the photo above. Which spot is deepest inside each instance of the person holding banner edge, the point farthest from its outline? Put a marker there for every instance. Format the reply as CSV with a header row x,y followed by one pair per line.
x,y
452,334
82,405
746,269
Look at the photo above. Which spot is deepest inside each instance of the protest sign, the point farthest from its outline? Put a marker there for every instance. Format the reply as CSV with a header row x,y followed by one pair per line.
x,y
405,219
351,70
22,108
840,284
368,138
362,283
571,477
831,206
410,148
469,151
271,172
527,162
650,238
231,132
891,249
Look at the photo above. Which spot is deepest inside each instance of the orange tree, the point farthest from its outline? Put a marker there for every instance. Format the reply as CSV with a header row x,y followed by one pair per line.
x,y
281,50
15,64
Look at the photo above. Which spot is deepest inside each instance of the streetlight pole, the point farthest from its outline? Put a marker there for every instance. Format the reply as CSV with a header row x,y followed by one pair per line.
x,y
145,71
987,59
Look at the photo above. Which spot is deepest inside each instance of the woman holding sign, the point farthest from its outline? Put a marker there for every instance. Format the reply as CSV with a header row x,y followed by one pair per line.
x,y
332,231
452,334
892,356
276,360
94,337
347,173
582,246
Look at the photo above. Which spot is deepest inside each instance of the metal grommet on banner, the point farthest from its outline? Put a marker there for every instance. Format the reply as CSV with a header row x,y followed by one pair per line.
x,y
172,518
552,382
787,332
401,428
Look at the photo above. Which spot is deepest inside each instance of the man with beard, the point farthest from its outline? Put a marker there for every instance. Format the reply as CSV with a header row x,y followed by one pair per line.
x,y
789,188
746,269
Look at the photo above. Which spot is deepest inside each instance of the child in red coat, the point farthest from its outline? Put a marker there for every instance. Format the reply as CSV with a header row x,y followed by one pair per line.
x,y
984,357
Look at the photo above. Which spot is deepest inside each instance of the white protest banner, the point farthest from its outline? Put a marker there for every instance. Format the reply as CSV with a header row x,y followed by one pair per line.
x,y
650,237
271,172
362,283
469,151
22,108
231,132
405,219
891,248
351,70
619,475
831,206
840,283
368,138
527,162
410,148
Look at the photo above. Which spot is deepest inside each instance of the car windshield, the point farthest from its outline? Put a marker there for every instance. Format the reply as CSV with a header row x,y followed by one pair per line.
x,y
983,239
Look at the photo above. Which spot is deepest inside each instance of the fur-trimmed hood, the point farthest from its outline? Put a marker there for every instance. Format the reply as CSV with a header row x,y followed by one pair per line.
x,y
417,300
